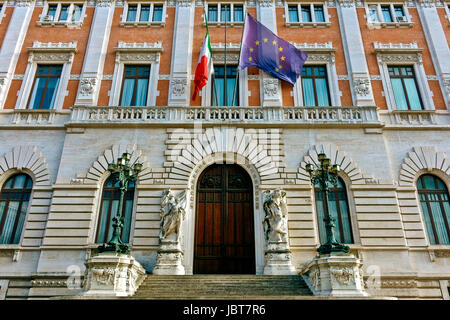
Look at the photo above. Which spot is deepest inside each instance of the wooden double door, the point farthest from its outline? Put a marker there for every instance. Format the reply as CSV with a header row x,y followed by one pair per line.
x,y
224,227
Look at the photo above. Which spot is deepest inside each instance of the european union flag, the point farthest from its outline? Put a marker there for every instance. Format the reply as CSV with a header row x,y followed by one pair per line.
x,y
263,49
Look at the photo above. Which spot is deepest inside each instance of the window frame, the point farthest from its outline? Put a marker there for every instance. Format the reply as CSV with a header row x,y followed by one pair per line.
x,y
96,228
435,175
307,24
45,89
232,60
228,77
320,54
3,181
403,85
219,21
403,55
137,22
68,23
47,54
136,77
386,24
314,83
136,54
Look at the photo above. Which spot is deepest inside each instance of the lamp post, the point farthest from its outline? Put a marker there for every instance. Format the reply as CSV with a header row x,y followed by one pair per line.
x,y
326,176
123,173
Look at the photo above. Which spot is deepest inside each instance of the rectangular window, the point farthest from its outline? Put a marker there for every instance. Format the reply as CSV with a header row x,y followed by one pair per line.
x,y
318,13
52,11
135,86
224,86
76,12
315,86
386,11
293,13
64,12
398,11
225,13
405,89
132,12
157,13
212,13
306,13
238,13
45,87
373,13
145,13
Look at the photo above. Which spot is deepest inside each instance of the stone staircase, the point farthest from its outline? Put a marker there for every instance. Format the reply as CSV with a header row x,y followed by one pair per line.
x,y
232,287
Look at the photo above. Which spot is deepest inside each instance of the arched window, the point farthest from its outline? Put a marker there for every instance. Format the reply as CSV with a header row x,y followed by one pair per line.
x,y
108,209
14,199
435,204
338,207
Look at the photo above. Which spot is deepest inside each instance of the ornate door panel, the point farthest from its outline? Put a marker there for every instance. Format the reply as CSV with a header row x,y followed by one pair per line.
x,y
224,231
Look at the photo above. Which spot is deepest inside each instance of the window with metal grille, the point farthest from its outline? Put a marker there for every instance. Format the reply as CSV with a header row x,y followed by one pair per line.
x,y
108,210
434,201
14,200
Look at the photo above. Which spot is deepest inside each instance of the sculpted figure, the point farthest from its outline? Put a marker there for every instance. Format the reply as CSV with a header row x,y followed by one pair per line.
x,y
173,212
275,220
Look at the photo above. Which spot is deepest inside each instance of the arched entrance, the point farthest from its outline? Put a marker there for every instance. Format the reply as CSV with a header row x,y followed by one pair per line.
x,y
224,226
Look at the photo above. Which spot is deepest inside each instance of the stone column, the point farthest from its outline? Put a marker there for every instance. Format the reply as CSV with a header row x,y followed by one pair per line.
x,y
437,43
180,68
91,74
270,87
110,274
277,252
337,275
12,44
358,70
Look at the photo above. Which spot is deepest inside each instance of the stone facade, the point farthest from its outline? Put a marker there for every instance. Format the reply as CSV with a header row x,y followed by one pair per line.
x,y
382,151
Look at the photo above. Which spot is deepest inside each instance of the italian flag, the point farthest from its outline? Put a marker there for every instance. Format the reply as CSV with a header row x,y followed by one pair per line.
x,y
204,67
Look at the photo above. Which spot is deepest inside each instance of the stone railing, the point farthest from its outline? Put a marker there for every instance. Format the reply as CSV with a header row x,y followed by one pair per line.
x,y
27,117
307,115
414,117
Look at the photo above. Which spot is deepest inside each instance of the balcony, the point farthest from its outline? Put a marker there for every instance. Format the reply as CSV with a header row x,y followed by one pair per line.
x,y
355,116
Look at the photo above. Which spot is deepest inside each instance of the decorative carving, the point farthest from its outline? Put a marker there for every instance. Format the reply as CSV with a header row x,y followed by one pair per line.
x,y
87,86
346,3
399,58
427,3
103,3
178,86
362,86
49,283
51,57
271,87
275,219
23,3
184,3
321,57
211,182
173,213
266,3
314,275
231,58
442,254
446,83
398,283
103,276
343,276
137,57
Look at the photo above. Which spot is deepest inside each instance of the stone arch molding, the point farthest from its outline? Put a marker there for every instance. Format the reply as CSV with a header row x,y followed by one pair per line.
x,y
27,157
422,158
346,163
259,151
100,166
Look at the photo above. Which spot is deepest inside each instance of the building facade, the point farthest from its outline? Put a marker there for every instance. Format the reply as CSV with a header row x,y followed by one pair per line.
x,y
82,82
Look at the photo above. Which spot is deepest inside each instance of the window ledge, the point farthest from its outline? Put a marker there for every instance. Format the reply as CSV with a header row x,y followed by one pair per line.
x,y
60,24
377,25
220,23
129,24
308,24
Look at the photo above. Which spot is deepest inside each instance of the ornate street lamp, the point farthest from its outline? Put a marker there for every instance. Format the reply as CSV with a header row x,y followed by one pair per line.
x,y
123,173
326,176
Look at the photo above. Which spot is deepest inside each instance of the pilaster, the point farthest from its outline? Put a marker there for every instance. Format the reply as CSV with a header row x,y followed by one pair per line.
x,y
12,44
180,70
437,44
270,86
358,70
90,80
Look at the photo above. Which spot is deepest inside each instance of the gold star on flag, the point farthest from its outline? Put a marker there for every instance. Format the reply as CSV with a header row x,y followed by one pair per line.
x,y
280,66
250,58
256,42
274,42
276,69
265,39
281,49
282,58
251,49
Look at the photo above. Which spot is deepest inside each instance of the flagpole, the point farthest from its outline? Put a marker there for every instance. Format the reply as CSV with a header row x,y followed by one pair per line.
x,y
212,63
225,58
237,67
